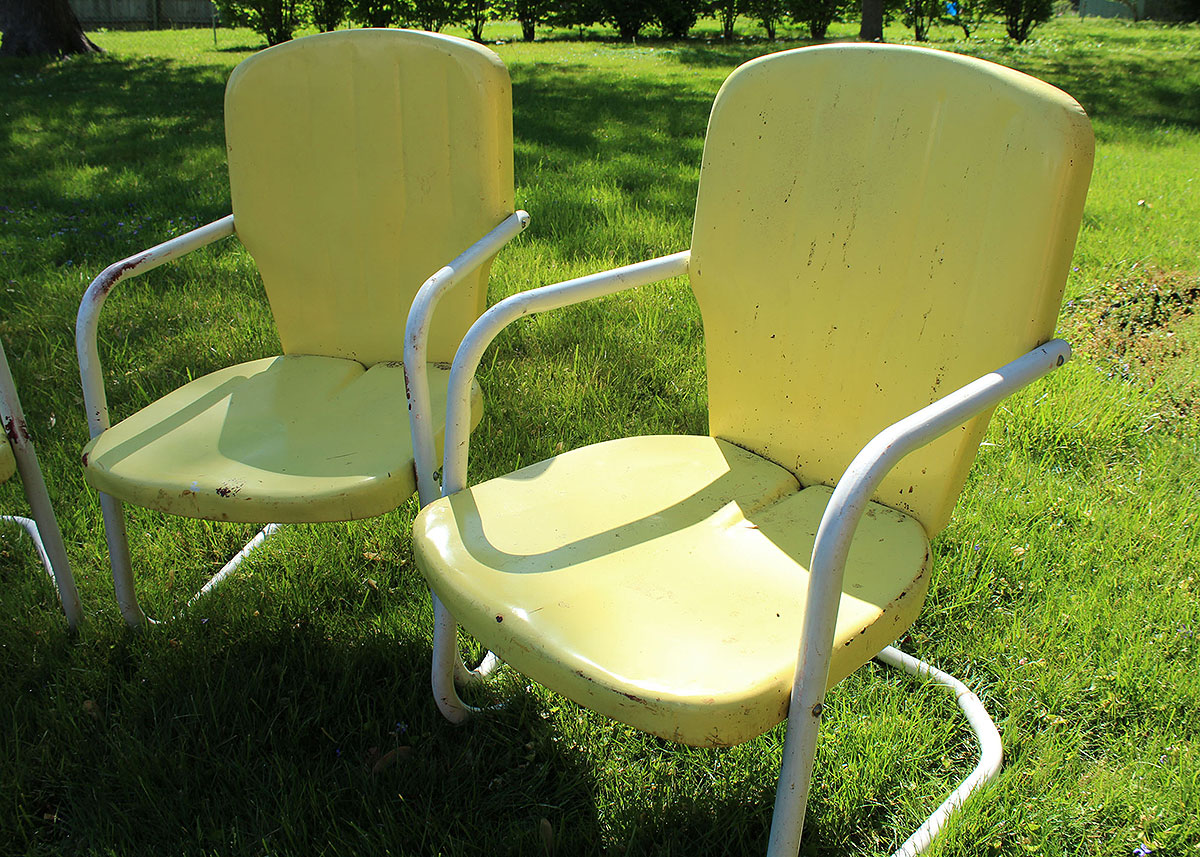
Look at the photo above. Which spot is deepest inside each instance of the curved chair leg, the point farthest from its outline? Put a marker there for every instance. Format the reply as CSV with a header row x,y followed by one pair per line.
x,y
449,671
59,570
991,751
122,566
800,750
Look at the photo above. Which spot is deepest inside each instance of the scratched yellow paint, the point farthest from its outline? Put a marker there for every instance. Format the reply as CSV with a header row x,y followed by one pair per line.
x,y
284,439
675,604
360,163
875,227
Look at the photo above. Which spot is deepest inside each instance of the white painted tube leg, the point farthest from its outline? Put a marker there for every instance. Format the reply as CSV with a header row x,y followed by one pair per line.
x,y
446,663
49,538
67,593
113,512
30,527
991,751
231,566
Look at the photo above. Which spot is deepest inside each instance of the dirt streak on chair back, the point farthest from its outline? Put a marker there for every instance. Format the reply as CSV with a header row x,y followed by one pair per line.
x,y
357,163
872,233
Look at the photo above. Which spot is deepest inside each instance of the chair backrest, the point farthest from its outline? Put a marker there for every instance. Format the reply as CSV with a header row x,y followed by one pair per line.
x,y
361,162
875,227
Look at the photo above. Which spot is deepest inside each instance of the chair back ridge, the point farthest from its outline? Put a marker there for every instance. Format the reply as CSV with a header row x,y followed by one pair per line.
x,y
875,227
346,203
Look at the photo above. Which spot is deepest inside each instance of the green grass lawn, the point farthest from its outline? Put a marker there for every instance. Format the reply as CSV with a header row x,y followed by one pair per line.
x,y
265,721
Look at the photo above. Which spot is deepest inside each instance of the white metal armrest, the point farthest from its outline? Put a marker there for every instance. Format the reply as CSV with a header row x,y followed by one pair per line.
x,y
489,325
90,371
416,341
834,535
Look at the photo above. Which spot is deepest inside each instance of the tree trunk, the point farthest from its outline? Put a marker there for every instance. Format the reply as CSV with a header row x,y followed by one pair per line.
x,y
33,27
871,29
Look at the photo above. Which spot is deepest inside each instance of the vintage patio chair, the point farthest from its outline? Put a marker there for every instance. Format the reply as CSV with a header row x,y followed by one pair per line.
x,y
17,454
881,240
360,164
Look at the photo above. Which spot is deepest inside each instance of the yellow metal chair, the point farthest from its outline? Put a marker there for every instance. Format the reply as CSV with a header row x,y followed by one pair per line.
x,y
17,454
881,240
360,164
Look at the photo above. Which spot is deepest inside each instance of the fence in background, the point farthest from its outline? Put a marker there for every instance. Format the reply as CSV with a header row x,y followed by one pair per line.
x,y
139,14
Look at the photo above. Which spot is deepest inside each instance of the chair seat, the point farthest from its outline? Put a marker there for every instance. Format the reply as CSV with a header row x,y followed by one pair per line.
x,y
661,580
8,462
286,439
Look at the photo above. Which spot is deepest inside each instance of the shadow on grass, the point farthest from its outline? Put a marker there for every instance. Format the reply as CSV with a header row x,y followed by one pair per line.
x,y
288,735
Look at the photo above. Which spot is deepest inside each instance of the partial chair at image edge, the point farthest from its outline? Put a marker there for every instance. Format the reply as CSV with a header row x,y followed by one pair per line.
x,y
17,455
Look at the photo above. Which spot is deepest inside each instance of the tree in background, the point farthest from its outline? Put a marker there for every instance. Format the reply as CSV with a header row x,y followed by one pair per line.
x,y
476,13
628,16
921,15
328,14
274,20
529,13
432,15
33,27
768,13
1021,16
870,28
726,11
376,13
574,13
677,17
817,14
967,14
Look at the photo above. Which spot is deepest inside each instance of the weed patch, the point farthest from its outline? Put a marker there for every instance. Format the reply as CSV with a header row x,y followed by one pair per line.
x,y
1144,329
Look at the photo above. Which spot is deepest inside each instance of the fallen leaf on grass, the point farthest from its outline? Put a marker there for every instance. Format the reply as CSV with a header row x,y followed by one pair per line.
x,y
390,758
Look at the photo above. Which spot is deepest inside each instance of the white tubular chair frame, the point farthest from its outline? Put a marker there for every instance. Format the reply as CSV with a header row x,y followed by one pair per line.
x,y
96,403
420,411
834,536
458,421
43,528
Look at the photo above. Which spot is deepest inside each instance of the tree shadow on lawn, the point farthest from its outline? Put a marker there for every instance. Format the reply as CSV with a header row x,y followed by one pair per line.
x,y
100,136
288,736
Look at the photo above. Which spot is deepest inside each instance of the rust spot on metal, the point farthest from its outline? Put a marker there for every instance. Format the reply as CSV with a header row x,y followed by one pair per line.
x,y
635,698
230,489
395,364
407,386
16,431
113,274
817,709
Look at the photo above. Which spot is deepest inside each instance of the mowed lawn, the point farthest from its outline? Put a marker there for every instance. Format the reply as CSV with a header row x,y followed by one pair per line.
x,y
291,712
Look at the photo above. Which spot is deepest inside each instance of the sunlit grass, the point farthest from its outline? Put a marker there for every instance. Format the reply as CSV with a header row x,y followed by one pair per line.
x,y
1065,591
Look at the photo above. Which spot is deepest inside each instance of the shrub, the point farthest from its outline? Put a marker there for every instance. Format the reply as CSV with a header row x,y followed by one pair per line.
x,y
376,13
817,14
677,17
726,11
432,15
1021,16
274,20
329,14
529,13
628,16
768,13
